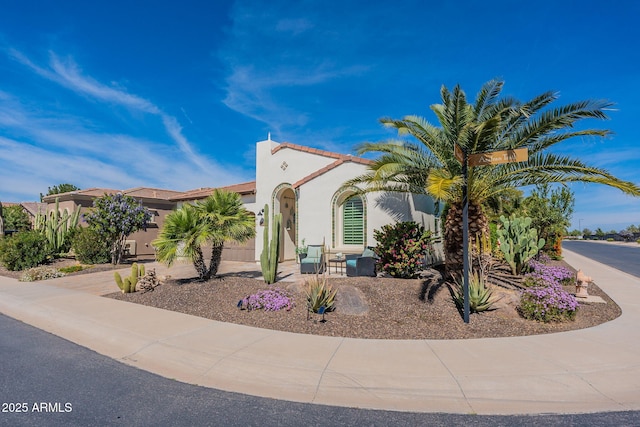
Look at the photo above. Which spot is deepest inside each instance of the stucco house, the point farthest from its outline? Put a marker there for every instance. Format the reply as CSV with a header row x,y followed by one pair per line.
x,y
306,185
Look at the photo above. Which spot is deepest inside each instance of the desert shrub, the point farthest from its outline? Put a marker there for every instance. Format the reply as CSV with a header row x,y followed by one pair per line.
x,y
40,273
269,300
402,247
115,217
89,247
610,239
493,237
320,294
547,304
71,269
23,250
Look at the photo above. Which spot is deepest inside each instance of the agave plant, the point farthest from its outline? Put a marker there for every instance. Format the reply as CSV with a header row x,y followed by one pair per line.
x,y
480,294
320,294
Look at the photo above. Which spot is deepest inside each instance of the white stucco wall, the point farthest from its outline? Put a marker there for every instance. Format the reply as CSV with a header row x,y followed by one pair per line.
x,y
315,212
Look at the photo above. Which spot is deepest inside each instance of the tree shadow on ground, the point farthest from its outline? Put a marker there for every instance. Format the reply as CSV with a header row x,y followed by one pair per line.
x,y
431,286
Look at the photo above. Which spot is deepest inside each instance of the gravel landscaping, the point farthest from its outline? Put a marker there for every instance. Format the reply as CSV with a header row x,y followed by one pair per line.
x,y
396,309
372,308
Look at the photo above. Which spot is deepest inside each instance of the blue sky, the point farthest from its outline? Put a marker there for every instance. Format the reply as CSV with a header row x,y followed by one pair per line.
x,y
176,94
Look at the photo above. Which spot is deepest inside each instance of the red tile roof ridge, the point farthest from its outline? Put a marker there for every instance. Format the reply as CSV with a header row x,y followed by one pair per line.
x,y
242,188
324,153
319,172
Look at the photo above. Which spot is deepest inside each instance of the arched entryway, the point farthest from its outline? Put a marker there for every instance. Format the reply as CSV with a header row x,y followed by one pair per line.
x,y
285,203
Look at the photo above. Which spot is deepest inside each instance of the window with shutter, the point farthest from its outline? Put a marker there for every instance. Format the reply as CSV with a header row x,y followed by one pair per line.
x,y
353,221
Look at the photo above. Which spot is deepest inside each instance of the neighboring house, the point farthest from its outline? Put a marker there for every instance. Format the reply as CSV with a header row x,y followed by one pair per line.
x,y
154,199
31,208
247,191
305,184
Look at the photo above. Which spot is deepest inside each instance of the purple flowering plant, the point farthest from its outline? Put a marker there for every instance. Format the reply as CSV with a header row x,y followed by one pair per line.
x,y
548,304
269,299
545,300
116,216
542,274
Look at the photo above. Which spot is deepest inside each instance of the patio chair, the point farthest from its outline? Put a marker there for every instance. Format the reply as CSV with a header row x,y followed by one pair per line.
x,y
314,261
362,264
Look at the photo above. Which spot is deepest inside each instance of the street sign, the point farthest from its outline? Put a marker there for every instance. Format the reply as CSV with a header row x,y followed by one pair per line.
x,y
499,157
479,159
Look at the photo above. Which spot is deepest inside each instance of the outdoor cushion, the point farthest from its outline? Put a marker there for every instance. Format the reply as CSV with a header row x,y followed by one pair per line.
x,y
368,253
314,252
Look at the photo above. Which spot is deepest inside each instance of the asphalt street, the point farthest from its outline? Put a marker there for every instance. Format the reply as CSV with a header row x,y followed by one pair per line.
x,y
48,381
624,257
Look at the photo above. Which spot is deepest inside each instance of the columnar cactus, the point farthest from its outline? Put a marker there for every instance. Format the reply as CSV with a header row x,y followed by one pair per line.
x,y
56,226
128,285
518,242
270,251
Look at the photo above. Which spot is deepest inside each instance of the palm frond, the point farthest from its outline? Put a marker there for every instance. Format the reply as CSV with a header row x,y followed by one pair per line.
x,y
546,168
486,98
442,185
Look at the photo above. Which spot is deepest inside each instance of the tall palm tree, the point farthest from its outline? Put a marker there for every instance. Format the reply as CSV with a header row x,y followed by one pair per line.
x,y
491,123
218,219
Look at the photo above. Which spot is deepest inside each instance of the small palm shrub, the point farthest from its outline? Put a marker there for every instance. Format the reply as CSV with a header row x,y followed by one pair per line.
x,y
548,303
480,294
320,294
23,250
89,247
269,300
40,273
402,247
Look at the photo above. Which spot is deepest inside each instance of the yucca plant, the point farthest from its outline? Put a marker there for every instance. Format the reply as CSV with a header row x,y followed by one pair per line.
x,y
320,294
480,294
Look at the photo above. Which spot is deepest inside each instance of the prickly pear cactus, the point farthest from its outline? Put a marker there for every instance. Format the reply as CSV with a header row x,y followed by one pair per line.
x,y
518,241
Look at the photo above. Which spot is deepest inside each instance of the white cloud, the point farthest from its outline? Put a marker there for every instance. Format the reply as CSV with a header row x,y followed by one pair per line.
x,y
279,85
42,146
68,74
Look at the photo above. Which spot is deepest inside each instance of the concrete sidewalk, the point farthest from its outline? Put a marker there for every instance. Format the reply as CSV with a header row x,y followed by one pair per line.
x,y
592,370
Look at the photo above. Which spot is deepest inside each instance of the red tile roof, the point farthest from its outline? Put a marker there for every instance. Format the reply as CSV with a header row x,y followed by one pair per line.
x,y
340,159
345,157
151,193
201,193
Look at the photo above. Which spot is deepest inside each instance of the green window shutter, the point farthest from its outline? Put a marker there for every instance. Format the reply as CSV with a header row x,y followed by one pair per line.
x,y
353,221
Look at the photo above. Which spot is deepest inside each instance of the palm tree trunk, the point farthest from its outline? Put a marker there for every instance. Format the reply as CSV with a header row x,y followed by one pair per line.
x,y
199,265
478,226
216,257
